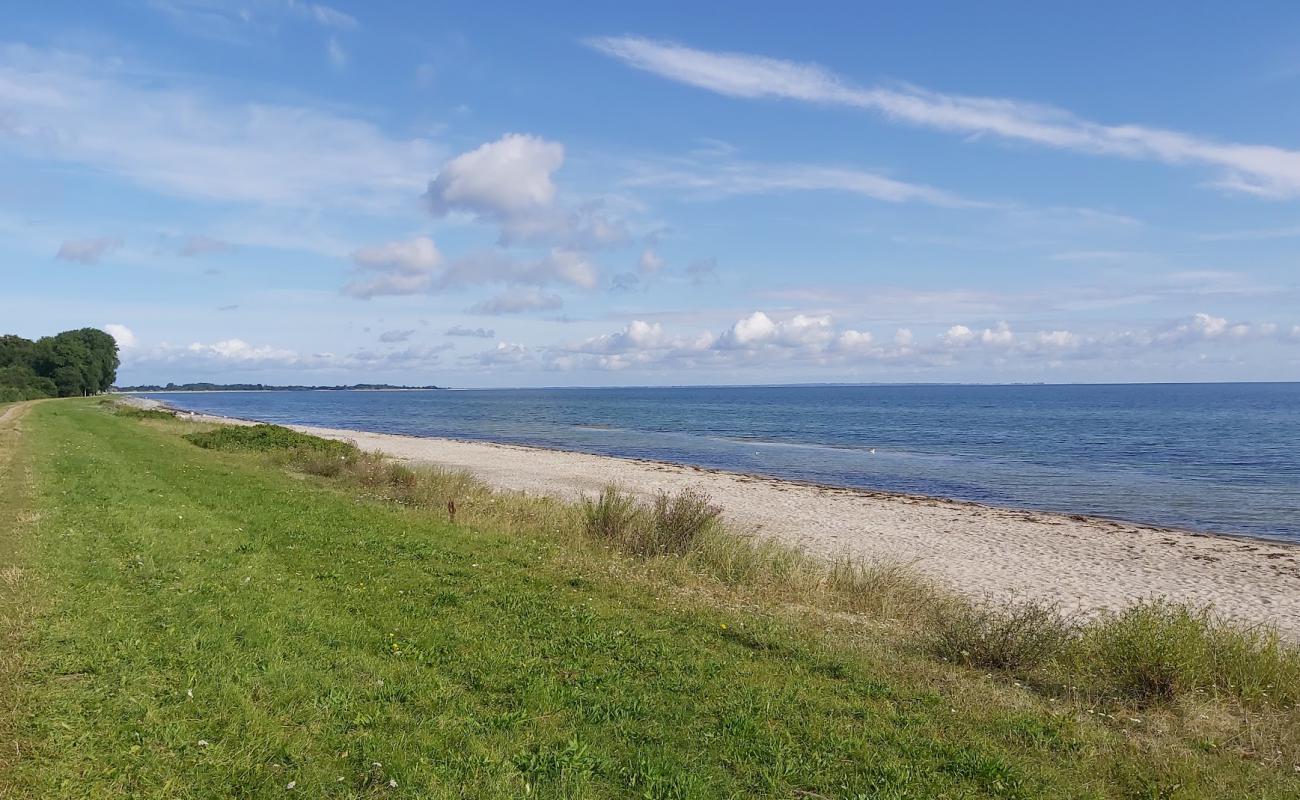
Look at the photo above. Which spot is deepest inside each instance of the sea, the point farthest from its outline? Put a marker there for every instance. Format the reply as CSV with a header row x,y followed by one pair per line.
x,y
1220,458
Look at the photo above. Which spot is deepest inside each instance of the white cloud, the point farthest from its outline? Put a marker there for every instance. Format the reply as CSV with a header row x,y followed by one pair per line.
x,y
124,336
408,267
416,266
1257,169
133,124
238,350
754,329
1000,335
234,355
88,251
510,183
517,301
1063,340
745,178
758,340
241,23
851,340
958,336
498,180
504,354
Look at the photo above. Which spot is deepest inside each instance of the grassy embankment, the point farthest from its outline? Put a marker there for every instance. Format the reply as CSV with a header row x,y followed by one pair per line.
x,y
283,615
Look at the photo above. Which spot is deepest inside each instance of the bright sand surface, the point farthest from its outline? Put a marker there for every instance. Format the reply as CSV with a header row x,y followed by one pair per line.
x,y
1084,563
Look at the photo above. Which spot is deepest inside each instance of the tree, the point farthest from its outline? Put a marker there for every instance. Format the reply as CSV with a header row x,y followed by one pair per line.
x,y
71,363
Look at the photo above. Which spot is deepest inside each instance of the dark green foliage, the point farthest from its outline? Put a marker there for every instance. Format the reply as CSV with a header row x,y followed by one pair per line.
x,y
142,413
69,364
268,438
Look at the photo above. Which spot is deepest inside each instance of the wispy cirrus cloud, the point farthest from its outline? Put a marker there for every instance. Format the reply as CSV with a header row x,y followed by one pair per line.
x,y
730,177
136,125
1263,170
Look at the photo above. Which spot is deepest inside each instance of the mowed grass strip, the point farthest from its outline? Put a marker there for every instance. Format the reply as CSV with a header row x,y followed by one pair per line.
x,y
215,627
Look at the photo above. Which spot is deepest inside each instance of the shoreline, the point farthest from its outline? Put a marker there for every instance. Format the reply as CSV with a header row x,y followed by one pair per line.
x,y
1084,563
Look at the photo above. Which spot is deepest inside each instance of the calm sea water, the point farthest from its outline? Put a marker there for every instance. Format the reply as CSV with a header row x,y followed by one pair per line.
x,y
1211,457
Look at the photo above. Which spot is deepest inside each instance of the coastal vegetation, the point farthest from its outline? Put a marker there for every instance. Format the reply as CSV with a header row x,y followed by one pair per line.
x,y
264,387
68,364
196,610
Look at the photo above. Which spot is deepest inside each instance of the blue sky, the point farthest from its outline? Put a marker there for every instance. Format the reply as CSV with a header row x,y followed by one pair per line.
x,y
508,194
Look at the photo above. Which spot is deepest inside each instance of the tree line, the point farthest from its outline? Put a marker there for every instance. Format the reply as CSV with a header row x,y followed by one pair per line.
x,y
68,364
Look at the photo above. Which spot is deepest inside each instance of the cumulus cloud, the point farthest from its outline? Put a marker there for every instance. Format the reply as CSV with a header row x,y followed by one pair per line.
x,y
396,335
498,180
88,251
480,333
510,183
517,301
124,336
1262,170
759,339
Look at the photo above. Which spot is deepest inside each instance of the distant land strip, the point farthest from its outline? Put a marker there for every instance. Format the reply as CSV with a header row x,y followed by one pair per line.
x,y
262,387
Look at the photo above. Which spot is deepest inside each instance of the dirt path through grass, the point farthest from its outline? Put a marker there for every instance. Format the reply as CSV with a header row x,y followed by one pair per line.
x,y
16,596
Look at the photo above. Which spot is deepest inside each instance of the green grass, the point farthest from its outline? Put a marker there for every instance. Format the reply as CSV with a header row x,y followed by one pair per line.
x,y
206,623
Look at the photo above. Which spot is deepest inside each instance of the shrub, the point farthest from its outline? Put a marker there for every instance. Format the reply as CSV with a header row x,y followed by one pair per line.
x,y
677,521
612,516
269,438
312,461
672,524
1159,651
133,412
1015,636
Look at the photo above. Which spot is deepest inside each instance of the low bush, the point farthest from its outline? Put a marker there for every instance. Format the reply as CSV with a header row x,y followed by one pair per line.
x,y
671,524
613,516
677,521
270,438
1158,652
1018,637
134,412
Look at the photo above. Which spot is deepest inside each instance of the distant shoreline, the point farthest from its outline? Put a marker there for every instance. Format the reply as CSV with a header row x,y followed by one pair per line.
x,y
276,389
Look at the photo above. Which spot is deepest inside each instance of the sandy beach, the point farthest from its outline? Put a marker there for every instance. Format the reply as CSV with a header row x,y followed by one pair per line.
x,y
1084,563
